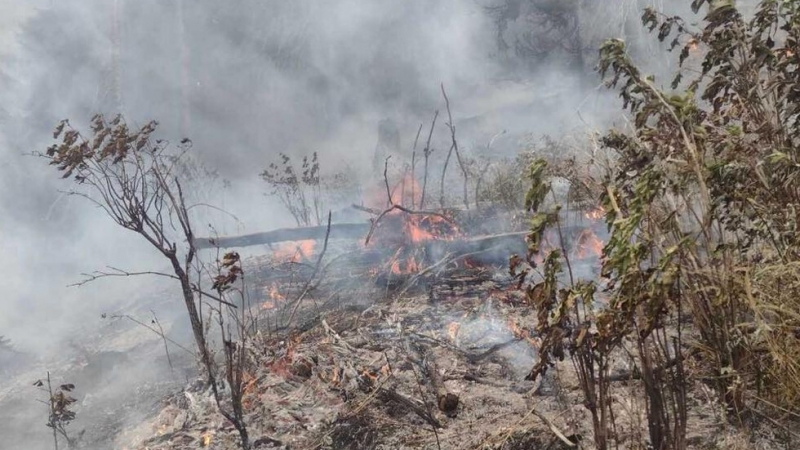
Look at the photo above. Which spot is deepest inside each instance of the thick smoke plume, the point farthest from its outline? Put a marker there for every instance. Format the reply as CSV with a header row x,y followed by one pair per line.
x,y
244,81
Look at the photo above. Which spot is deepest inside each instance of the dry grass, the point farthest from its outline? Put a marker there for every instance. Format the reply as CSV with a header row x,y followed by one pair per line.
x,y
774,295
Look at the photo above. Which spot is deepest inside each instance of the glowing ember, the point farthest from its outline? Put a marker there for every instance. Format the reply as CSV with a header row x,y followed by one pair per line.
x,y
294,251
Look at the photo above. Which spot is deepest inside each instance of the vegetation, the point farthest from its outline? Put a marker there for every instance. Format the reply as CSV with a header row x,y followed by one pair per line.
x,y
60,415
299,193
701,274
136,182
702,206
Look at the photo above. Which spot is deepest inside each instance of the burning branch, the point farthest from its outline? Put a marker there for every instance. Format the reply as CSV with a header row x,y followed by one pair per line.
x,y
307,287
407,211
395,206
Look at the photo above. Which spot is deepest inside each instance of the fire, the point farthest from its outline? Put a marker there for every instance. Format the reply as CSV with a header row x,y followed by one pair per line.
x,y
520,333
402,265
280,365
335,378
294,251
273,295
249,382
205,438
366,373
596,214
588,245
452,330
422,228
406,191
693,45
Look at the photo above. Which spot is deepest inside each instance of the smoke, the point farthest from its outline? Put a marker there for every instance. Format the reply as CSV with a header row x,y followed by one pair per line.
x,y
244,80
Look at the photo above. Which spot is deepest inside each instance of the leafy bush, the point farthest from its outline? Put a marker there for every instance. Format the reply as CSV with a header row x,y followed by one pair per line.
x,y
702,207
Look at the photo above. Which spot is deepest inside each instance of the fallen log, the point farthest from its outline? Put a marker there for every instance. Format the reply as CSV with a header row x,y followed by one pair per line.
x,y
359,231
445,400
338,231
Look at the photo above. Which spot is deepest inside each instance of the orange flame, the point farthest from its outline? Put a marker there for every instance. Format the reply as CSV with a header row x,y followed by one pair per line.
x,y
596,214
369,374
294,251
280,365
249,386
588,245
406,192
274,296
409,265
520,333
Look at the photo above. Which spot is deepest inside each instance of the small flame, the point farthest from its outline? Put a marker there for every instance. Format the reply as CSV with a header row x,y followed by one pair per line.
x,y
273,295
407,266
521,333
405,192
588,245
206,438
294,251
596,214
370,374
452,330
693,45
249,386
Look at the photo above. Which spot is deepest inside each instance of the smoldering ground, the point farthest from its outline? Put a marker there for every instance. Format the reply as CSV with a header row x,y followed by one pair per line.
x,y
244,81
